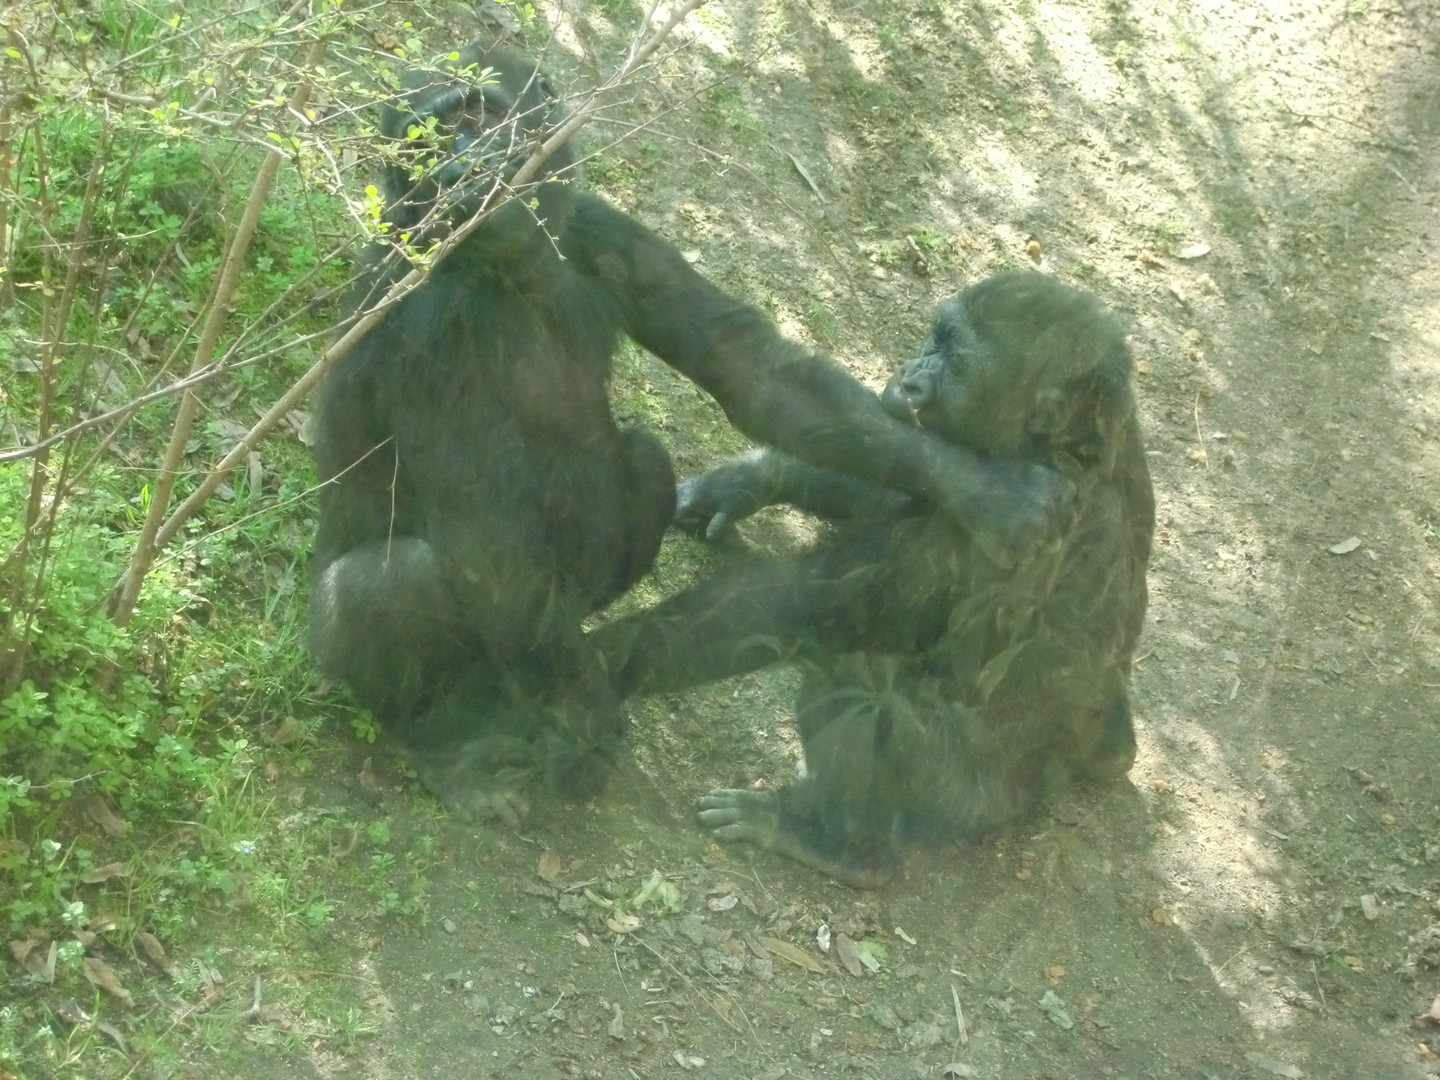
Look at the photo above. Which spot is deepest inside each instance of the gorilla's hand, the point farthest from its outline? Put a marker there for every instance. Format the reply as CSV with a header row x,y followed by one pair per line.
x,y
1021,508
710,504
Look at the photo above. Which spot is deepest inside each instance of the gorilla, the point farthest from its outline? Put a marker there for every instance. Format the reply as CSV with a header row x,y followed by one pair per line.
x,y
945,691
478,498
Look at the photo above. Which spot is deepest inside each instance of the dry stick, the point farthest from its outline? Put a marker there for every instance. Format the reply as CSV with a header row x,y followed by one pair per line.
x,y
361,327
127,589
9,102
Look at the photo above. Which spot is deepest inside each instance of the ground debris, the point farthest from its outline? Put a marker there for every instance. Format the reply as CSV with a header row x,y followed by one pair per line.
x,y
37,956
1053,1007
155,953
1274,1067
798,957
103,975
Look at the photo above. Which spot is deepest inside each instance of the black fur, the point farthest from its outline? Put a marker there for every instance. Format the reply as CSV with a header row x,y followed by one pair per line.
x,y
479,499
945,690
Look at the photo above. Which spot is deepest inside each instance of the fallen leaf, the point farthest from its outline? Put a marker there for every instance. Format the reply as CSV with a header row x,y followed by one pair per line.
x,y
113,1033
623,924
786,951
845,950
871,953
103,976
550,867
805,175
100,812
753,944
212,985
71,1013
289,730
37,956
155,953
1270,1065
105,873
368,780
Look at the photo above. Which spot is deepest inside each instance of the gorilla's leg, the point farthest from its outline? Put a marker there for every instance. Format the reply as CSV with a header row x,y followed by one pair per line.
x,y
864,760
852,594
650,483
889,755
1113,753
739,619
382,620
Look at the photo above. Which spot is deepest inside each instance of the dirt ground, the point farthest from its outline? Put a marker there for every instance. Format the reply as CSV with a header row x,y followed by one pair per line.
x,y
1255,184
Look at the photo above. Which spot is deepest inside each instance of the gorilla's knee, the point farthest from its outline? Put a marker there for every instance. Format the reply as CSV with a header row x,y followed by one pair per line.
x,y
381,611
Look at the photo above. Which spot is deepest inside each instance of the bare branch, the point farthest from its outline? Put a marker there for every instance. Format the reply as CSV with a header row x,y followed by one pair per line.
x,y
127,591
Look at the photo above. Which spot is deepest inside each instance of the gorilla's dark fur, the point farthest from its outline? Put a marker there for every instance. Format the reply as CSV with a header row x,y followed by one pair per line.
x,y
479,498
944,692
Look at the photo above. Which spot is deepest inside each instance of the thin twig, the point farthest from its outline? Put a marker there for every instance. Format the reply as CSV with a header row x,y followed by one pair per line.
x,y
959,1016
127,591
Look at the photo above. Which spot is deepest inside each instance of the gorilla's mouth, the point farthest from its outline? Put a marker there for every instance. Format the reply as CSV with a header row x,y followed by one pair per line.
x,y
902,406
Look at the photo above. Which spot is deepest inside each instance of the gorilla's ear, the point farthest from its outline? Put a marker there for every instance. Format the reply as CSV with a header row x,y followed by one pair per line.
x,y
1083,418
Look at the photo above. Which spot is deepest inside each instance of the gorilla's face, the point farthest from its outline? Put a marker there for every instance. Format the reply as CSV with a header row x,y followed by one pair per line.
x,y
462,130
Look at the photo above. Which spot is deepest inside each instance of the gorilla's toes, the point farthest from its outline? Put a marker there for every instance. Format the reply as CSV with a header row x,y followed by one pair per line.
x,y
472,784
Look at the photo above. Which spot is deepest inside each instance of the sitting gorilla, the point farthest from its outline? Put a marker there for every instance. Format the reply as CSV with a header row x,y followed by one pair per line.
x,y
944,692
479,499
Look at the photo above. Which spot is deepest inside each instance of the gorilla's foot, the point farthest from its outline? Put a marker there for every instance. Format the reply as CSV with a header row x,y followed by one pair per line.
x,y
475,781
763,818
